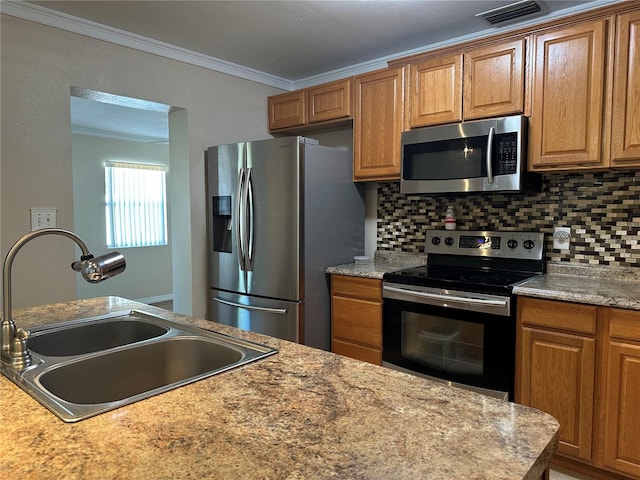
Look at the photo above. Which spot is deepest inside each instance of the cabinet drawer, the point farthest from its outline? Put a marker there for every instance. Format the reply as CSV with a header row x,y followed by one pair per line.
x,y
356,320
624,324
359,352
366,288
574,317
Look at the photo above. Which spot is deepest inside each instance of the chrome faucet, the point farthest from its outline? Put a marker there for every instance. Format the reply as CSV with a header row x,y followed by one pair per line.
x,y
93,269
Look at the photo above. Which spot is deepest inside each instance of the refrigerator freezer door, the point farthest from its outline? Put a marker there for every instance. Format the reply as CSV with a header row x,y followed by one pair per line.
x,y
275,318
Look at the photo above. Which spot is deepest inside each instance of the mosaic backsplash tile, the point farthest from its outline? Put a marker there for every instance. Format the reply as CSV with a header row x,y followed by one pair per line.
x,y
602,209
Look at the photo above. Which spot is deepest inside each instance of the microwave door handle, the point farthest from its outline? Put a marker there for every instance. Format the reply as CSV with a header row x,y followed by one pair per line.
x,y
492,130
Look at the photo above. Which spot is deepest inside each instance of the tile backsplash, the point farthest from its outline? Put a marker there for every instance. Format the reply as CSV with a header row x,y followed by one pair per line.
x,y
602,209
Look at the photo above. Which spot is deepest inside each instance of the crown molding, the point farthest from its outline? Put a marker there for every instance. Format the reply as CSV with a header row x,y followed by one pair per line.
x,y
131,137
69,23
45,16
381,62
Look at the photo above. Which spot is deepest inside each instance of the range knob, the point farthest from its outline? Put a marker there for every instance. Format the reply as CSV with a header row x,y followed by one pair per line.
x,y
528,244
448,241
512,243
435,240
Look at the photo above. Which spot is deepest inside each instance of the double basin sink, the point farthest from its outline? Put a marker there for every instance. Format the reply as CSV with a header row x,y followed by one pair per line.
x,y
87,367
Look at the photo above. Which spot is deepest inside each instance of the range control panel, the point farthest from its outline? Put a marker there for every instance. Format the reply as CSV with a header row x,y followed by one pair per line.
x,y
520,245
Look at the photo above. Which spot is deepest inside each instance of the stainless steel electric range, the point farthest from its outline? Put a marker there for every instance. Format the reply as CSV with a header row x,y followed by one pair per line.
x,y
454,319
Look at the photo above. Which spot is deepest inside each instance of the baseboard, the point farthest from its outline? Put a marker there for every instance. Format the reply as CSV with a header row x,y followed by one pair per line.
x,y
157,299
568,466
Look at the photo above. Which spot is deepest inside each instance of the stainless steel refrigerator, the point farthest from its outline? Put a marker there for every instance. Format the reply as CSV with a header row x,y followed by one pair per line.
x,y
279,212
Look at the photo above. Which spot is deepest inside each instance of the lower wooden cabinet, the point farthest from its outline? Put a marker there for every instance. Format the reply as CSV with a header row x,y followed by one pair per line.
x,y
581,364
622,392
558,368
356,318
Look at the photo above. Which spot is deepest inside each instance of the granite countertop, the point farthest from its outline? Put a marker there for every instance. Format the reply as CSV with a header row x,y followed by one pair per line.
x,y
302,413
383,262
592,285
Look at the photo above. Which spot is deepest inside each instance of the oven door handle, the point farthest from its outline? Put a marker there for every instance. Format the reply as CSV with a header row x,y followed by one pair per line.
x,y
448,298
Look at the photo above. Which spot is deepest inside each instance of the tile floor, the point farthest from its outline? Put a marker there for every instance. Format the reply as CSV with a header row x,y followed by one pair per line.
x,y
567,475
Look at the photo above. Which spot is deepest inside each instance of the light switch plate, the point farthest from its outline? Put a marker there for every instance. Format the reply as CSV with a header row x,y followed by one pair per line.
x,y
43,218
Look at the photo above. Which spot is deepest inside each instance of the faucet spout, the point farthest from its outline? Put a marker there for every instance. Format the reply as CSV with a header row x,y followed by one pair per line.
x,y
14,340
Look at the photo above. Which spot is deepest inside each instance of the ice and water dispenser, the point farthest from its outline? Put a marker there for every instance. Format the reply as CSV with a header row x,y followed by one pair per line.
x,y
221,230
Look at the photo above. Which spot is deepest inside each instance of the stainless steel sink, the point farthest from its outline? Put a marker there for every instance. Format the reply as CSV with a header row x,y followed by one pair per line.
x,y
100,334
123,358
126,373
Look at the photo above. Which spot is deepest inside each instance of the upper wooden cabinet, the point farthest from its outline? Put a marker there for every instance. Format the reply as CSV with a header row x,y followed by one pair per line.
x,y
329,101
287,110
494,81
625,132
568,97
481,83
377,124
322,103
434,92
578,70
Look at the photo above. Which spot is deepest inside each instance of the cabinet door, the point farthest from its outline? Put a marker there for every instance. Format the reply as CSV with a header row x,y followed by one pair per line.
x,y
625,132
435,91
287,110
622,393
494,81
329,101
568,98
558,372
622,440
357,321
377,124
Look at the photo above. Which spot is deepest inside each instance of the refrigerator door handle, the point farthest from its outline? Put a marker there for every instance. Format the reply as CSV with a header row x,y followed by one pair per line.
x,y
239,219
249,211
278,311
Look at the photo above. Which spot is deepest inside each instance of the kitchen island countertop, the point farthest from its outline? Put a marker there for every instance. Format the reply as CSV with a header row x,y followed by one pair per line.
x,y
302,413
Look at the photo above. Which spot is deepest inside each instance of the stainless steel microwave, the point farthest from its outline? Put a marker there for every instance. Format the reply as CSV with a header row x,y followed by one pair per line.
x,y
479,156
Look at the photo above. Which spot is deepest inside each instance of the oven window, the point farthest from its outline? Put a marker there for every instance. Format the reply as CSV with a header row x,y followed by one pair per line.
x,y
445,344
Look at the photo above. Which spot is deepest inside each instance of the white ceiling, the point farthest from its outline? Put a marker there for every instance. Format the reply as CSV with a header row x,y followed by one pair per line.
x,y
296,43
300,39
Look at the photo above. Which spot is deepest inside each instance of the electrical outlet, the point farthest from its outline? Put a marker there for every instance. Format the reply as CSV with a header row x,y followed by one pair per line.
x,y
43,218
561,238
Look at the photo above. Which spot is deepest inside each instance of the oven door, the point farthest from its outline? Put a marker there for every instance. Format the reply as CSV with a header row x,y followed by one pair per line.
x,y
458,337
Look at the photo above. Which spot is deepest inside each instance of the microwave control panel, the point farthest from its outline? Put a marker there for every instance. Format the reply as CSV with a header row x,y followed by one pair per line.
x,y
506,154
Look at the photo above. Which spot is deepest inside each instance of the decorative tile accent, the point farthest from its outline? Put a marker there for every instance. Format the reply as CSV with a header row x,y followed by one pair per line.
x,y
602,209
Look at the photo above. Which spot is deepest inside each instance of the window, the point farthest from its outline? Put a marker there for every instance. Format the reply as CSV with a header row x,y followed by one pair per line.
x,y
136,207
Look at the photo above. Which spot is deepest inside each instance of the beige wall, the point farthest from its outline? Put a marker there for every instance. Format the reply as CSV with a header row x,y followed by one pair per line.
x,y
39,65
149,272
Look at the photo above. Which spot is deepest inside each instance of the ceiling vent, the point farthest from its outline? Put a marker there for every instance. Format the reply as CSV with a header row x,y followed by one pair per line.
x,y
510,12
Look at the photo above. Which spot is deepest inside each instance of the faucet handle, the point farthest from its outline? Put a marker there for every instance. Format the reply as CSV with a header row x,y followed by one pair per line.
x,y
20,355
